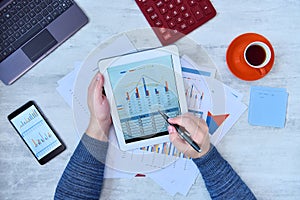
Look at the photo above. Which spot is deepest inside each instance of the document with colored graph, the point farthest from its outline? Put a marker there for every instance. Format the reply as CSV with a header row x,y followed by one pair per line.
x,y
208,98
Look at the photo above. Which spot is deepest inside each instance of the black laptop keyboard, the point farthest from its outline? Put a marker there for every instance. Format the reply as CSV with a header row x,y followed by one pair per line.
x,y
20,20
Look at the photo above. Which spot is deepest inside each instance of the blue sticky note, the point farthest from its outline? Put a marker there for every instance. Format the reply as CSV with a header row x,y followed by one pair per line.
x,y
267,106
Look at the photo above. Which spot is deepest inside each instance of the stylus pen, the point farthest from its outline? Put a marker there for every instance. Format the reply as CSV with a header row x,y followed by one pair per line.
x,y
182,132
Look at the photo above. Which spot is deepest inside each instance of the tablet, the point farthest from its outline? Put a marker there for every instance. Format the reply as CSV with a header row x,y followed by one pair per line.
x,y
137,85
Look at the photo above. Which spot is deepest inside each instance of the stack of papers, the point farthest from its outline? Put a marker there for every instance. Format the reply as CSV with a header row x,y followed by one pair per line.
x,y
267,106
219,105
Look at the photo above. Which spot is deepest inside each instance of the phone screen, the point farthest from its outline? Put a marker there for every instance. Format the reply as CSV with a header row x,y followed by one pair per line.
x,y
35,131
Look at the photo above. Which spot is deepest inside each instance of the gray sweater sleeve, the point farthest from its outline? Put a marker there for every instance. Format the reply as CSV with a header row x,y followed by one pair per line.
x,y
83,175
221,181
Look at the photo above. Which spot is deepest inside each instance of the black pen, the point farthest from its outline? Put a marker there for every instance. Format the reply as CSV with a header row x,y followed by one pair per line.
x,y
182,132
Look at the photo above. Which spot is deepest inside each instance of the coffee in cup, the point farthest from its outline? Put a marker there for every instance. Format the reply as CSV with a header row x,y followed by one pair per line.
x,y
257,55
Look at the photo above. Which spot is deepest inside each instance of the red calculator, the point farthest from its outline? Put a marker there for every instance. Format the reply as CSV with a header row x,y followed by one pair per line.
x,y
173,19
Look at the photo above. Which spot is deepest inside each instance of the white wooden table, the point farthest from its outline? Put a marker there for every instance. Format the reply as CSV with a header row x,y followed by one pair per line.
x,y
268,159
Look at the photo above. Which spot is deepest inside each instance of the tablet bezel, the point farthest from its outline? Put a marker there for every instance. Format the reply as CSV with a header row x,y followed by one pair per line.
x,y
104,64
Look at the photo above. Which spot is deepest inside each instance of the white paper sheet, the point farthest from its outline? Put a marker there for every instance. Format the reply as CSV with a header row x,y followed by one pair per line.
x,y
180,176
66,84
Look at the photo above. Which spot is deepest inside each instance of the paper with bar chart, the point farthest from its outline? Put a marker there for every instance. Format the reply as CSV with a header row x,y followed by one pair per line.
x,y
36,132
140,89
219,105
197,93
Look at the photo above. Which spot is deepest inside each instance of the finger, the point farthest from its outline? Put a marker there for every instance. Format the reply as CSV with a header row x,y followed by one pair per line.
x,y
190,122
99,87
174,137
180,144
184,121
92,84
194,126
171,129
200,124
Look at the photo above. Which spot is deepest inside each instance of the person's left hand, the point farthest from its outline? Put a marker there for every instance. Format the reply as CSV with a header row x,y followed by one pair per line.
x,y
100,118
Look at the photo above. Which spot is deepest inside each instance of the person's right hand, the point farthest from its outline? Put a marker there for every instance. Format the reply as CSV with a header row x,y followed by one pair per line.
x,y
199,133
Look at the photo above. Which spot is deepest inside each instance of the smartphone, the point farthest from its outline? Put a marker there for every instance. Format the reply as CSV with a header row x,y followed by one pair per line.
x,y
37,133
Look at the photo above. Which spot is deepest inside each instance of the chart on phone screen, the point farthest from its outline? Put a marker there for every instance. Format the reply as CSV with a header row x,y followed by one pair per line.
x,y
141,89
36,132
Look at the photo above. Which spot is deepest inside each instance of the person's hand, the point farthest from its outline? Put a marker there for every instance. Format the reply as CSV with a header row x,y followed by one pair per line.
x,y
199,133
100,118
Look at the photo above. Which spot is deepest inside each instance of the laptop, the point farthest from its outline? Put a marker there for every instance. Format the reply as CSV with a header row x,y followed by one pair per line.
x,y
31,29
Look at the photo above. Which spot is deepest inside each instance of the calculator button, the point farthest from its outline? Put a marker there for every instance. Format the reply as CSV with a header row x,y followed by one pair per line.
x,y
192,3
171,6
167,36
159,4
183,8
142,1
154,16
198,14
186,15
178,2
175,13
158,23
172,24
168,17
191,21
162,30
174,32
183,26
150,10
179,20
205,8
163,11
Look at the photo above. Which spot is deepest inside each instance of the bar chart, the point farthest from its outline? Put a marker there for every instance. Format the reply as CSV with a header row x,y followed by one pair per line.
x,y
140,90
198,96
141,103
36,132
40,138
32,115
166,148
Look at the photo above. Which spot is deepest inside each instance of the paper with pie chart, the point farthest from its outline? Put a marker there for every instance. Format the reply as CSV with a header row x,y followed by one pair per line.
x,y
215,121
207,98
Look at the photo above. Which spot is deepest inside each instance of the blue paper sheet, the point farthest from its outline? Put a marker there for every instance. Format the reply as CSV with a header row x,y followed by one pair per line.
x,y
267,106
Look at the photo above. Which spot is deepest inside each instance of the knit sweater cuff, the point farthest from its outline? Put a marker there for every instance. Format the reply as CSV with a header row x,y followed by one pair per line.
x,y
91,150
209,162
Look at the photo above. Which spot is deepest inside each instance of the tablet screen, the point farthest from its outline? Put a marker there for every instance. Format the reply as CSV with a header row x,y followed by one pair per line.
x,y
140,89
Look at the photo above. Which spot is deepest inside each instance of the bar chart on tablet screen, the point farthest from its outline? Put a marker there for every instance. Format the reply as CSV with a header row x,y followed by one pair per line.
x,y
140,90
